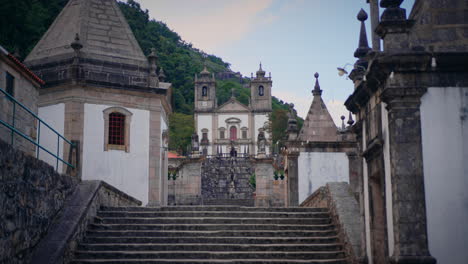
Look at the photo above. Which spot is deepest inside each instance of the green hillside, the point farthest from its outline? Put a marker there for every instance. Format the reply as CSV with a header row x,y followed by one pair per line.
x,y
23,22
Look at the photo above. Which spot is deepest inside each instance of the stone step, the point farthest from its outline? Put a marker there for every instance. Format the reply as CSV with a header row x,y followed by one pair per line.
x,y
207,227
210,247
214,240
215,208
304,255
214,220
211,261
212,214
227,201
201,234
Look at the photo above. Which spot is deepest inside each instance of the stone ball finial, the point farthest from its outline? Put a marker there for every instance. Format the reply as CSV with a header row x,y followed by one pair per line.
x,y
362,15
76,44
316,75
342,117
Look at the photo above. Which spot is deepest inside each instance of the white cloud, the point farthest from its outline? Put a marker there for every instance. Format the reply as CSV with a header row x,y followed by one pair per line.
x,y
209,24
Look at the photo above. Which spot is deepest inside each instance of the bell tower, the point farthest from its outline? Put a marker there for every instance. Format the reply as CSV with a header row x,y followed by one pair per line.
x,y
260,92
205,91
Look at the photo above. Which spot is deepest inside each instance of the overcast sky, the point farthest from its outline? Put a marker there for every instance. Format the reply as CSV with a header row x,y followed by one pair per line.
x,y
292,38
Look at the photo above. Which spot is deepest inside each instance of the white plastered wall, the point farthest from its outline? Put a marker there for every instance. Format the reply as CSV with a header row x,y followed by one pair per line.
x,y
444,117
205,121
244,122
127,171
318,168
164,163
54,116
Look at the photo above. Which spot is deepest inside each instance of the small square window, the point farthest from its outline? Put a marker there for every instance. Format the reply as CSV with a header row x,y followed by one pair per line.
x,y
221,134
10,84
244,134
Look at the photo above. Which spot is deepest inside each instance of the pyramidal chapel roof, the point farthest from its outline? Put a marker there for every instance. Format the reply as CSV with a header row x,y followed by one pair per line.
x,y
102,29
318,125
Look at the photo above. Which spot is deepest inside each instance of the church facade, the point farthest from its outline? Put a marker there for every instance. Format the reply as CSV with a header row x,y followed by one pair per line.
x,y
232,124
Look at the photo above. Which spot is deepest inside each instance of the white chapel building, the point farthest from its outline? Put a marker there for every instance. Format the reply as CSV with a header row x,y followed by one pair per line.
x,y
232,123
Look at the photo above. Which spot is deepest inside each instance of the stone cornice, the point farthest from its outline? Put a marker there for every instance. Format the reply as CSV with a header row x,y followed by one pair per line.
x,y
412,71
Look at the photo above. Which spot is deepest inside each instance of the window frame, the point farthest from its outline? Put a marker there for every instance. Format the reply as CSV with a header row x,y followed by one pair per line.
x,y
9,83
261,90
128,118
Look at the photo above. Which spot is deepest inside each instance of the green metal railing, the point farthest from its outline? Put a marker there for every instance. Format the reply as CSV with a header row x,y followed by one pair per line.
x,y
14,131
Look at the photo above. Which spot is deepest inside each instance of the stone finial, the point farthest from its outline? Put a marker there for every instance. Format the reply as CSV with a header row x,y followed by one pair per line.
x,y
393,11
153,78
363,47
76,44
350,119
161,76
205,71
342,122
260,72
317,90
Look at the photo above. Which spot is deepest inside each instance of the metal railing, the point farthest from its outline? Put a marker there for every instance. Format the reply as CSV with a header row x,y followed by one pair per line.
x,y
14,131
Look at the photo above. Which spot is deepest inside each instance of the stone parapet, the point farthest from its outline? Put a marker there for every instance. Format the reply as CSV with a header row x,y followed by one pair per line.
x,y
71,224
339,198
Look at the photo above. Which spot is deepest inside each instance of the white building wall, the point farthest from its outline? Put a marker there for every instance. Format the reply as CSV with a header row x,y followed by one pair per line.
x,y
127,172
54,116
244,118
318,168
205,121
388,180
444,117
163,161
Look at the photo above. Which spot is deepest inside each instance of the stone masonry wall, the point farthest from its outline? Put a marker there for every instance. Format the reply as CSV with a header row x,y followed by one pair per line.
x,y
269,192
27,94
31,194
186,188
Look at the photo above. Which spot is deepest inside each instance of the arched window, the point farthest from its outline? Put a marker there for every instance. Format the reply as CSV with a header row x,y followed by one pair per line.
x,y
261,90
233,133
117,128
205,91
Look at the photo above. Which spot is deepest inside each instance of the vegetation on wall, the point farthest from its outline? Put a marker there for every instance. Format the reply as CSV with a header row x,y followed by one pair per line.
x,y
23,22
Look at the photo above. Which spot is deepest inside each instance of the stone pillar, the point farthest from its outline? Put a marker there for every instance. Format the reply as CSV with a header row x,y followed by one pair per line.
x,y
263,175
355,171
293,179
409,209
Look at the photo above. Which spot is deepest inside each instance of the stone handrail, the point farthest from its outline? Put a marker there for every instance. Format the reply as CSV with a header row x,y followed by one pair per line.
x,y
344,211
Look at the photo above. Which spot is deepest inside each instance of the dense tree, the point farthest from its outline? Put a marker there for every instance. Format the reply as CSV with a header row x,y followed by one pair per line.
x,y
180,131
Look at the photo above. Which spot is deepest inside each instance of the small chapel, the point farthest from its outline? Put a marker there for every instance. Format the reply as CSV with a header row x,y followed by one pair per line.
x,y
233,126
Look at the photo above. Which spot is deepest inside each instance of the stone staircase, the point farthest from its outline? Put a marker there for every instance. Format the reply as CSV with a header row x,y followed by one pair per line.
x,y
225,181
210,234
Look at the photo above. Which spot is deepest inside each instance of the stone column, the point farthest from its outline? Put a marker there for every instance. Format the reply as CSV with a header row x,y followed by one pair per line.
x,y
293,179
355,171
263,176
409,209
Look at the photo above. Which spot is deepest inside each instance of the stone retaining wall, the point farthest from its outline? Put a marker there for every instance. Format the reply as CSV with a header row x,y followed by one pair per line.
x,y
31,195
